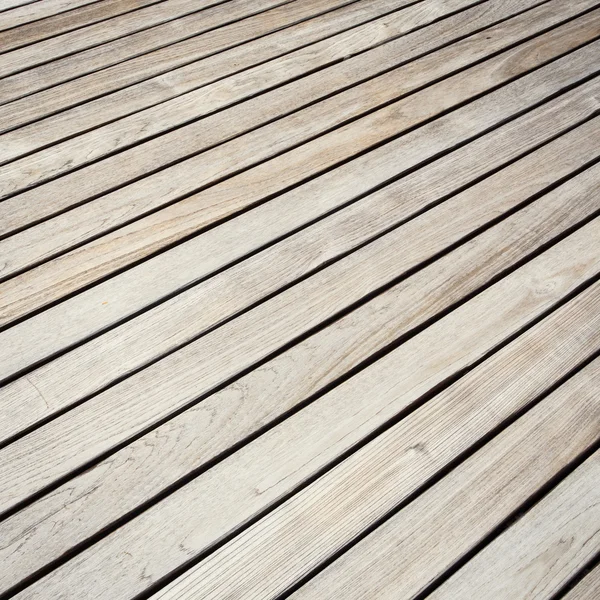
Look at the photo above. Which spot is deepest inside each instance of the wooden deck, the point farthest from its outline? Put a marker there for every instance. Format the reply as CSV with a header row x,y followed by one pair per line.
x,y
300,299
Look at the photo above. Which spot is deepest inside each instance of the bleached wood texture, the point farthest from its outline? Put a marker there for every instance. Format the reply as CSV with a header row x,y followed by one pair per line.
x,y
18,12
83,266
269,557
537,555
229,67
55,236
208,508
132,290
218,128
588,588
82,372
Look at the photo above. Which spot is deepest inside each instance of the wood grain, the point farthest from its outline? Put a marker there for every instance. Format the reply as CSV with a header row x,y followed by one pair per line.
x,y
71,271
222,126
427,537
19,12
89,503
587,589
194,517
269,50
94,35
537,555
58,235
120,296
30,33
52,451
87,369
272,555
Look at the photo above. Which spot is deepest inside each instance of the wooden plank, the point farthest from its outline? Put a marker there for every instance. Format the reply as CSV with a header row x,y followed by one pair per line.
x,y
69,441
89,503
220,127
194,517
35,31
587,589
427,537
94,35
145,54
217,128
82,266
537,555
95,365
58,235
19,12
210,70
272,555
131,291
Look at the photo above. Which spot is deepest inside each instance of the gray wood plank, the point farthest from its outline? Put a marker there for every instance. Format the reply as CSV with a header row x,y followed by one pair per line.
x,y
537,555
35,288
203,511
55,329
272,555
587,589
66,380
19,12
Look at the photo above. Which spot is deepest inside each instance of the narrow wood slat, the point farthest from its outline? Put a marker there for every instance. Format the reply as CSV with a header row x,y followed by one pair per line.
x,y
102,177
94,35
143,57
58,235
98,363
29,33
418,544
67,442
19,12
587,589
272,555
209,71
35,288
120,296
222,126
194,517
537,555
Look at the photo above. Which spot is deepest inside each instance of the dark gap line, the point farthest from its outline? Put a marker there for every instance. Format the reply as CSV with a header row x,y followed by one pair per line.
x,y
512,518
183,240
121,62
3,10
104,94
533,499
59,58
243,442
555,184
97,22
253,96
578,577
269,197
335,462
210,113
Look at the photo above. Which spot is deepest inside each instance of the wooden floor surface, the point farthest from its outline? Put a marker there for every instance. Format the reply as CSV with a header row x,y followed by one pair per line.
x,y
300,299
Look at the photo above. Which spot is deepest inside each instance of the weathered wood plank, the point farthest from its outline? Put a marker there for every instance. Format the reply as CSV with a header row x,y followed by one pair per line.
x,y
229,66
118,297
537,555
82,266
272,555
87,369
215,503
587,589
92,501
222,126
89,14
417,545
94,35
58,235
52,451
19,12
